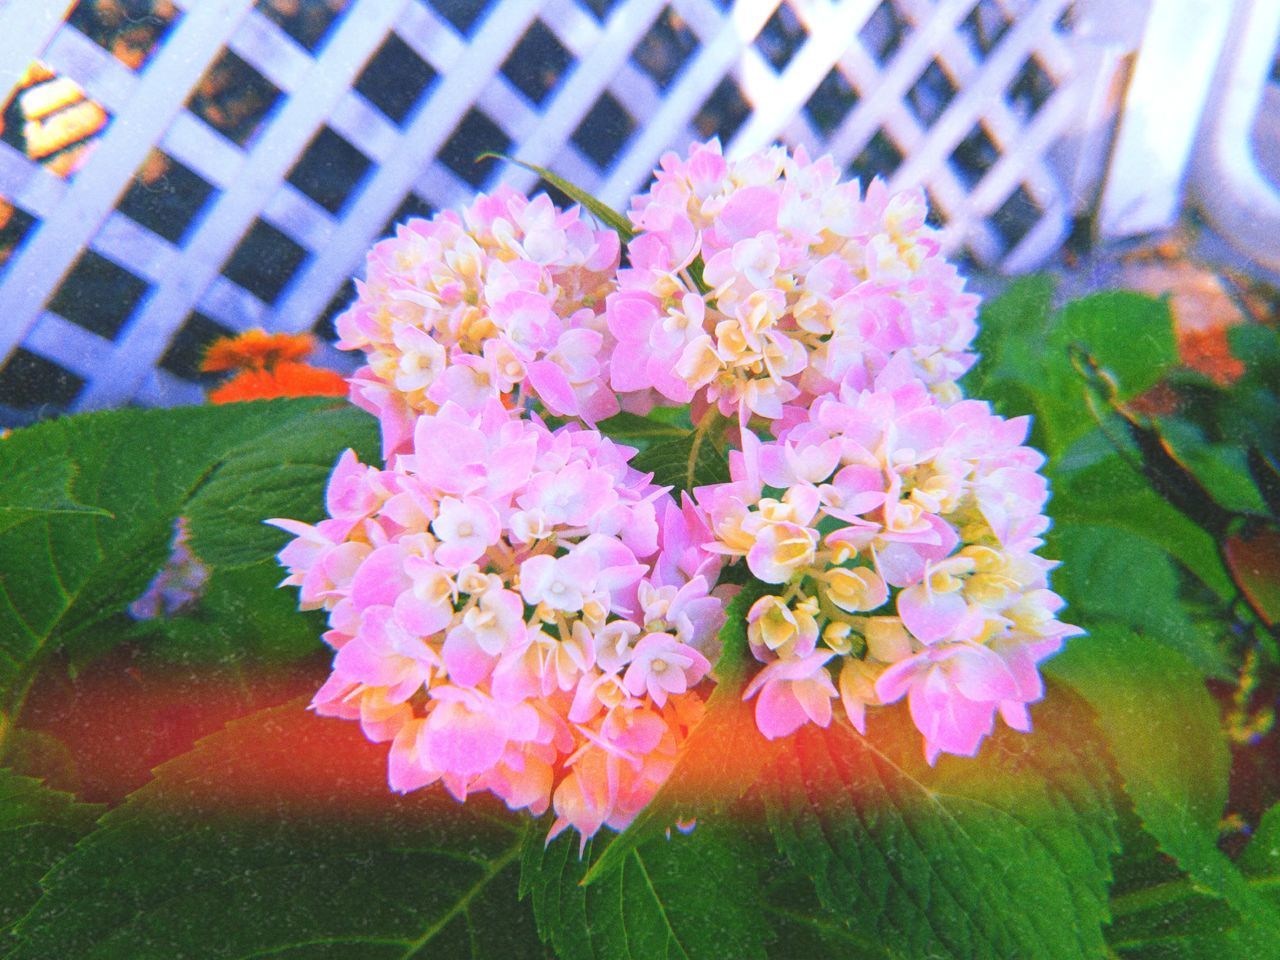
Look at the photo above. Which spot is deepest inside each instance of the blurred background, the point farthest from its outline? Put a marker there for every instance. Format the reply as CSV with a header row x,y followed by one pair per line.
x,y
173,171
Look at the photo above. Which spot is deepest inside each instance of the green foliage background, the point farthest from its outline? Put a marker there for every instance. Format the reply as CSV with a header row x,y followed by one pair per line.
x,y
1098,835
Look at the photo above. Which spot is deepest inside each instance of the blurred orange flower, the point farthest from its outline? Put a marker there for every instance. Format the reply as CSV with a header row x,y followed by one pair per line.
x,y
256,350
287,379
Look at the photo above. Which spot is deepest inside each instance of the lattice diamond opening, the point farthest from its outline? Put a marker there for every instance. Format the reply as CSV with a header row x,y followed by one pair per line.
x,y
50,119
985,26
165,197
330,170
974,156
538,63
98,295
15,224
463,14
264,262
475,135
186,349
395,79
130,30
664,50
879,158
931,93
1016,217
884,31
831,101
233,98
781,37
29,381
306,21
723,112
1031,89
412,206
604,131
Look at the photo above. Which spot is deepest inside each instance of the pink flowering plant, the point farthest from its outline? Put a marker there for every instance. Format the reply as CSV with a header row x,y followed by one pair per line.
x,y
519,609
676,583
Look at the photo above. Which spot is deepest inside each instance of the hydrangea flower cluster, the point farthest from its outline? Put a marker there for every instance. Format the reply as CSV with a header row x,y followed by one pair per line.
x,y
901,533
764,282
517,610
504,299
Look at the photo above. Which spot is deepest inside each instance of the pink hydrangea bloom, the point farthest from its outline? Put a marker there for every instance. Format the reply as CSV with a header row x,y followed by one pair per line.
x,y
516,610
503,298
804,281
901,532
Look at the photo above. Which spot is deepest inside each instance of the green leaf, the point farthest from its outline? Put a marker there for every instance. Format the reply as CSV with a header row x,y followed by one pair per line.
x,y
279,837
280,472
688,897
243,614
31,488
723,755
676,464
1157,912
1129,334
641,432
38,826
1165,734
1027,365
1009,342
1004,855
1170,916
1105,570
601,211
64,574
1111,492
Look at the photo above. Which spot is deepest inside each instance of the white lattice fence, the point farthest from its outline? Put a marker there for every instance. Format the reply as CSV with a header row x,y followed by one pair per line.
x,y
377,112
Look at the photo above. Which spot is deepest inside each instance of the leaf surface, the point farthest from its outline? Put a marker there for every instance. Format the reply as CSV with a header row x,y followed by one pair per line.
x,y
1005,855
279,837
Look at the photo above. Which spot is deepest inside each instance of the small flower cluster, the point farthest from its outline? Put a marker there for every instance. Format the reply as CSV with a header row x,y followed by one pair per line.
x,y
517,610
901,532
764,282
504,299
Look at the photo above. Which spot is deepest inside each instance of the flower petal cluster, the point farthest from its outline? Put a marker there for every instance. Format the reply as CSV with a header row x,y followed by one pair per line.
x,y
516,610
767,281
901,534
505,298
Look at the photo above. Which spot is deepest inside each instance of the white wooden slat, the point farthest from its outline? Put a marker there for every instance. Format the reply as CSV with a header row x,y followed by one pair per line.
x,y
694,85
207,153
1154,143
361,125
46,256
977,99
25,30
135,248
249,182
163,389
232,306
1238,197
147,333
28,184
70,346
911,59
427,131
104,78
272,52
584,85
